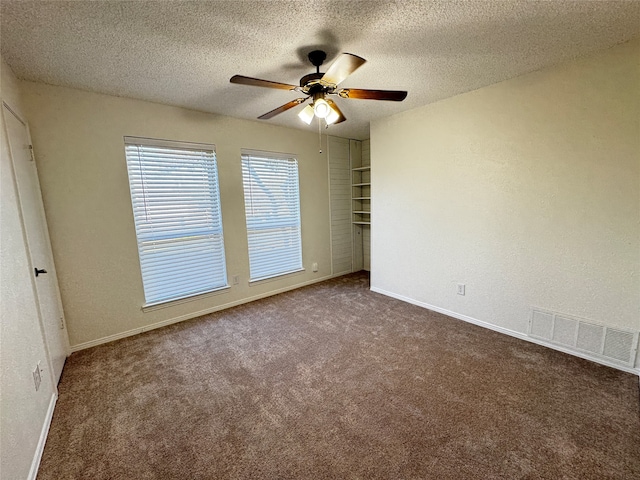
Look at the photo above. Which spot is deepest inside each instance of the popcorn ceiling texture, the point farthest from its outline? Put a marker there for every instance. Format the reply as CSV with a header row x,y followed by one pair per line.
x,y
183,53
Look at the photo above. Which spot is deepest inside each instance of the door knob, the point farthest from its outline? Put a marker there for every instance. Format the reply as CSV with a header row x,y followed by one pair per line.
x,y
38,272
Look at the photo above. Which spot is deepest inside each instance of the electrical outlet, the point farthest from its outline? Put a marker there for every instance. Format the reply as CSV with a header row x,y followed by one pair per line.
x,y
461,289
314,267
37,378
235,279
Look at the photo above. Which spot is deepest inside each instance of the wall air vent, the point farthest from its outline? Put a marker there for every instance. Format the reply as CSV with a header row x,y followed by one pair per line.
x,y
616,345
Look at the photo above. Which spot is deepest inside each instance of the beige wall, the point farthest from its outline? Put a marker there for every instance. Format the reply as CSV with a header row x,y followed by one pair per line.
x,y
78,142
527,191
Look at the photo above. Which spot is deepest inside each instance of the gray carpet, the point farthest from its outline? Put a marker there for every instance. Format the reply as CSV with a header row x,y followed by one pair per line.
x,y
333,381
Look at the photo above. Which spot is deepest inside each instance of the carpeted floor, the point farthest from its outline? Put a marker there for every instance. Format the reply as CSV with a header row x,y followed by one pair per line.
x,y
333,381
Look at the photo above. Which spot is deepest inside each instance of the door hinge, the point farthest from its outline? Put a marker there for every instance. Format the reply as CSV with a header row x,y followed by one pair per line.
x,y
61,323
33,159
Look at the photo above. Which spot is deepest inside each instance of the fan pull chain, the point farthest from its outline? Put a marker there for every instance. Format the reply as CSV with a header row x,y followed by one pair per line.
x,y
320,134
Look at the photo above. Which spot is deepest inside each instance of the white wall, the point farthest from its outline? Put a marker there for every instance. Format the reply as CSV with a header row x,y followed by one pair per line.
x,y
24,413
78,141
527,191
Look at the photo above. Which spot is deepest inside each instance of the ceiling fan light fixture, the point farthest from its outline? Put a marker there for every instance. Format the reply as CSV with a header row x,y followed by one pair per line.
x,y
332,117
321,108
306,114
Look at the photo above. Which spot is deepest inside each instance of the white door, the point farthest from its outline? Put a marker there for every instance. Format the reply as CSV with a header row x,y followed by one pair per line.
x,y
41,258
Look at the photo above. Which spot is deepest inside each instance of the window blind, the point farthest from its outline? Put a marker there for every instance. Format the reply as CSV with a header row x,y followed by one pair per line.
x,y
272,206
176,208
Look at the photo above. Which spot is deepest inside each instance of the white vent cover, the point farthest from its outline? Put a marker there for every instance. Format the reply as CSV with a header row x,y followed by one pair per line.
x,y
613,344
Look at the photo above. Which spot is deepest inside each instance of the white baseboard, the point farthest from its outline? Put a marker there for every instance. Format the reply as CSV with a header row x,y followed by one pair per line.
x,y
35,463
506,331
164,323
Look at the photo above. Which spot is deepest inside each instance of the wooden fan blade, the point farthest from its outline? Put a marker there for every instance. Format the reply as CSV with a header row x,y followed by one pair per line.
x,y
256,82
344,66
333,105
283,108
392,95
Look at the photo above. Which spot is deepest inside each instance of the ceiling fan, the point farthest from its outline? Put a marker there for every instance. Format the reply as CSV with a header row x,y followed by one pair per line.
x,y
318,86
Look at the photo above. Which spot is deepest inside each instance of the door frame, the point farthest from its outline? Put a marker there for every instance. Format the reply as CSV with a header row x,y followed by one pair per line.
x,y
45,230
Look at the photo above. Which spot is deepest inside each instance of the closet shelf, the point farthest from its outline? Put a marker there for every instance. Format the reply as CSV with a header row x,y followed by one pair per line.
x,y
361,196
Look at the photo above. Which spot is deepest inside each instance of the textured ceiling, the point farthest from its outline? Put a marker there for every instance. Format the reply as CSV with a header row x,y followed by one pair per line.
x,y
183,53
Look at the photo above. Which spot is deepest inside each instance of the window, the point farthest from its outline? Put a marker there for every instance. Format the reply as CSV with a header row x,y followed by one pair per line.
x,y
176,207
272,206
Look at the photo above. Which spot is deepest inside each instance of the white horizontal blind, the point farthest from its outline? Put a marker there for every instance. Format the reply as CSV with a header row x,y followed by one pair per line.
x,y
272,206
176,207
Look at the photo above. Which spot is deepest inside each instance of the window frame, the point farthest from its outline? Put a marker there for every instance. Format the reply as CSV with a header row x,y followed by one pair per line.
x,y
273,156
217,242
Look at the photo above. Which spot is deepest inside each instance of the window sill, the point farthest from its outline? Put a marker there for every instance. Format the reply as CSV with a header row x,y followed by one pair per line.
x,y
150,307
260,281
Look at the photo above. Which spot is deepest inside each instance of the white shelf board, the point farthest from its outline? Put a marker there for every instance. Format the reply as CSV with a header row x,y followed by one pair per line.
x,y
361,169
361,198
361,184
361,223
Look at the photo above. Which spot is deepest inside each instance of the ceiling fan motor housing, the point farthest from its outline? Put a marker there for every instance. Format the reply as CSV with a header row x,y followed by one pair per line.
x,y
310,83
312,78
